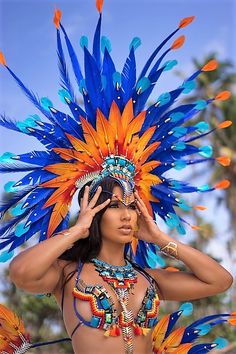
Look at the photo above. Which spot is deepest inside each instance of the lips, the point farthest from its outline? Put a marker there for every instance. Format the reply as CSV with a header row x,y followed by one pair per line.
x,y
125,229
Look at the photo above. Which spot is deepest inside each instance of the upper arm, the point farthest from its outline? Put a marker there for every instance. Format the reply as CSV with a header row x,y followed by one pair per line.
x,y
181,286
46,284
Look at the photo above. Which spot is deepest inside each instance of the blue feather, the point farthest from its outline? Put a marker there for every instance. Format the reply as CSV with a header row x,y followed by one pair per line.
x,y
65,80
108,69
93,80
96,43
5,205
31,96
8,123
154,54
128,76
73,57
68,124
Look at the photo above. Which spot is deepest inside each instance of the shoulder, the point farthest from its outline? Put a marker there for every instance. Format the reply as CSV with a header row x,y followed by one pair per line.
x,y
65,268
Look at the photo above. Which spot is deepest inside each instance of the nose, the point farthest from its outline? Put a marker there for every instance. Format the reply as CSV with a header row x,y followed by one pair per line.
x,y
125,215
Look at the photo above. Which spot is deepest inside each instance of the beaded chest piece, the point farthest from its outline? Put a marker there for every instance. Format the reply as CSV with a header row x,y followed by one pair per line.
x,y
121,279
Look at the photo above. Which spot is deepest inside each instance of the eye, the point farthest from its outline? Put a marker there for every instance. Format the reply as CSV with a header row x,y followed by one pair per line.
x,y
132,206
113,205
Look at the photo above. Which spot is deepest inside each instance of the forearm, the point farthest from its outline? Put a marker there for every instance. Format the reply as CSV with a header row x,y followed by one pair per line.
x,y
201,265
34,262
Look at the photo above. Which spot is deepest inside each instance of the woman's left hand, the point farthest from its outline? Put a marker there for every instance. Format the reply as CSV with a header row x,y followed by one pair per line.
x,y
147,231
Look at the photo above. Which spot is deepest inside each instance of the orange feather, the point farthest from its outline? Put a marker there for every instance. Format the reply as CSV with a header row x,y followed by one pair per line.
x,y
10,322
178,43
223,160
159,331
183,348
134,245
186,21
59,212
106,132
81,146
115,121
57,18
91,136
149,166
225,124
61,195
2,59
174,338
127,115
223,96
223,184
99,5
140,146
199,207
210,66
69,154
66,168
147,152
134,127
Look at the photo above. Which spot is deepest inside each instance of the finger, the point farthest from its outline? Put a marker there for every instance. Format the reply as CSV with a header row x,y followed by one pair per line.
x,y
142,208
84,199
102,206
93,201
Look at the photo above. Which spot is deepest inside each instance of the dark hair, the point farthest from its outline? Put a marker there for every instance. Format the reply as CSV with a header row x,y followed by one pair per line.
x,y
86,249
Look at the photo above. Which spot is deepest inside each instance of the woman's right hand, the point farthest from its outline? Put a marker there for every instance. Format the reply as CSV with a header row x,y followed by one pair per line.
x,y
88,211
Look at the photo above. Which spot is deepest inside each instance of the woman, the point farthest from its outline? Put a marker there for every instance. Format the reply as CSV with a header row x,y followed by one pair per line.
x,y
119,145
105,225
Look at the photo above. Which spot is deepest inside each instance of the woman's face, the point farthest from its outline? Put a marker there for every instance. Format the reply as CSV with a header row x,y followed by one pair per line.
x,y
119,221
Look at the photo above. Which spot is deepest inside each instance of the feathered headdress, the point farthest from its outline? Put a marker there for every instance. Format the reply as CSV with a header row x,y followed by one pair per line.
x,y
115,134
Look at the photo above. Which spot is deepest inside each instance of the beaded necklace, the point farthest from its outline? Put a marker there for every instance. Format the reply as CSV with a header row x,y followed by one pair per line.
x,y
122,280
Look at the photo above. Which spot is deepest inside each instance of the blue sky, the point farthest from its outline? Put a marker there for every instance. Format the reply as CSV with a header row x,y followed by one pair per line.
x,y
28,40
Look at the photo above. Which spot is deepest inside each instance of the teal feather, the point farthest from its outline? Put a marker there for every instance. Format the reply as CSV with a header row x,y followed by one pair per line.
x,y
46,103
6,256
17,210
188,86
170,64
179,146
116,79
179,165
200,104
8,187
180,229
6,157
206,151
164,98
143,84
202,127
203,329
21,229
154,260
204,188
135,43
83,42
151,259
221,342
64,94
105,44
82,86
179,131
187,308
182,205
172,220
176,116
